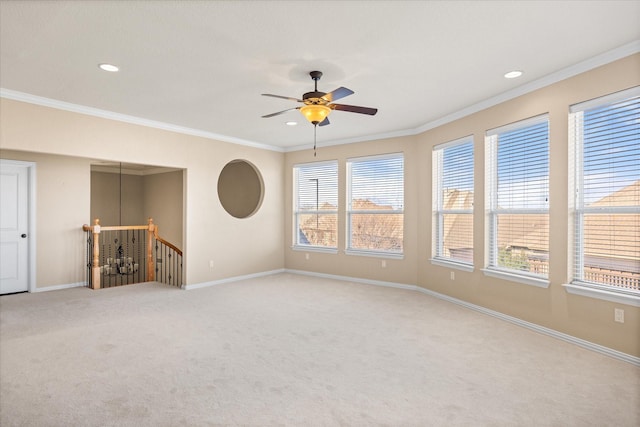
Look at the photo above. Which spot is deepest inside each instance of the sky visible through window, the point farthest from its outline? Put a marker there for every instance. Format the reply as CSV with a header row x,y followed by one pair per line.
x,y
611,149
457,165
380,181
318,186
523,168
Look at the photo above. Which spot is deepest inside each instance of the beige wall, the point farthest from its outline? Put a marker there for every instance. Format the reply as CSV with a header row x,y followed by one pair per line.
x,y
210,233
163,201
583,317
106,199
62,192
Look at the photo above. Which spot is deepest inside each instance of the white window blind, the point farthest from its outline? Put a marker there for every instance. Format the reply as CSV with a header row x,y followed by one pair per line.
x,y
453,201
375,204
606,134
518,197
316,205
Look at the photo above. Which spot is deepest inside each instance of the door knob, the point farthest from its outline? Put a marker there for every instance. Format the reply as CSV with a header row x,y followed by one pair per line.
x,y
24,236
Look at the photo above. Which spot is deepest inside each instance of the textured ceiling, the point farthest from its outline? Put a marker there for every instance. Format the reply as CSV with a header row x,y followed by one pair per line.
x,y
202,65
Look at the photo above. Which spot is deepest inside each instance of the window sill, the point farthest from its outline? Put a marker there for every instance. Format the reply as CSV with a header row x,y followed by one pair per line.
x,y
591,291
520,278
451,264
314,249
375,254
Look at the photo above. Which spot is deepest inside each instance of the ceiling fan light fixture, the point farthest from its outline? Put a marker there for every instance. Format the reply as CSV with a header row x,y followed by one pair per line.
x,y
315,113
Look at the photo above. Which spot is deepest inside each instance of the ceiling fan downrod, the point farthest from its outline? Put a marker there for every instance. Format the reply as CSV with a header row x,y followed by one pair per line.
x,y
315,76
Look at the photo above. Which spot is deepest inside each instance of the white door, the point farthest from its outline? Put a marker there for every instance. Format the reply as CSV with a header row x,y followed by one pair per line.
x,y
14,226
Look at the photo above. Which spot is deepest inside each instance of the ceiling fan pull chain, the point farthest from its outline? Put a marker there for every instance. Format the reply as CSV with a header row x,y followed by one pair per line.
x,y
315,127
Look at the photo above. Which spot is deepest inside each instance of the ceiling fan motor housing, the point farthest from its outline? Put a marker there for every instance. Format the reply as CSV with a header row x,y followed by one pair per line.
x,y
314,98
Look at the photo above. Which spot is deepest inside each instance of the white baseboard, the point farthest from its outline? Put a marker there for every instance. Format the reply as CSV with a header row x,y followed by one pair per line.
x,y
60,287
353,279
231,279
514,320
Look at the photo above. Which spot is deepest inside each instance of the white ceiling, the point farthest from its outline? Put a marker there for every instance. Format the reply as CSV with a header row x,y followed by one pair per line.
x,y
201,66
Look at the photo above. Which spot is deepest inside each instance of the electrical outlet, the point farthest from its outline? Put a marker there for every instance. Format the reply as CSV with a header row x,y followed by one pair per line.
x,y
211,264
306,256
453,275
384,264
618,315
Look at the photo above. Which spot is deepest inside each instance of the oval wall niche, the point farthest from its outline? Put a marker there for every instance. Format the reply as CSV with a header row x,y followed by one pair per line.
x,y
240,188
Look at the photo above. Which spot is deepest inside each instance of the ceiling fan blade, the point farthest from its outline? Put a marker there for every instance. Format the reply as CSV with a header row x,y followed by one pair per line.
x,y
279,112
282,97
341,92
324,122
354,109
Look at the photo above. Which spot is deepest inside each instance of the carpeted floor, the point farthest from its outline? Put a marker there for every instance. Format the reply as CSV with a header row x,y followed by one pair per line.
x,y
295,351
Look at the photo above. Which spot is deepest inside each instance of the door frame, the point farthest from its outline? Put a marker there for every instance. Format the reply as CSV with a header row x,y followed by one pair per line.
x,y
31,214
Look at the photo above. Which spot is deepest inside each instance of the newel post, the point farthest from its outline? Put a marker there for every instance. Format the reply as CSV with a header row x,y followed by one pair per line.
x,y
95,265
150,261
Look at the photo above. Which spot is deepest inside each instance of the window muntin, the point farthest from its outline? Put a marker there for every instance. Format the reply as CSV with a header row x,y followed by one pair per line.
x,y
518,198
453,201
606,139
375,204
316,205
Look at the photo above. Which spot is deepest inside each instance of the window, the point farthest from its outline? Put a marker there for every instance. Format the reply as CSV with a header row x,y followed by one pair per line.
x,y
606,139
375,205
453,201
316,205
517,196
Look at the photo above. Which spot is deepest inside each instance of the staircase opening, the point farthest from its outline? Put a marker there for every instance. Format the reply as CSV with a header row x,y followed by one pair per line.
x,y
140,228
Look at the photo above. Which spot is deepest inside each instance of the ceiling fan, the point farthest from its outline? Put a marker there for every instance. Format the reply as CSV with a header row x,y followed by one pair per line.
x,y
318,105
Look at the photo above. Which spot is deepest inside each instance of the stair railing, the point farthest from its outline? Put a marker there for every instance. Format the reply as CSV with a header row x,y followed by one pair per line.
x,y
130,254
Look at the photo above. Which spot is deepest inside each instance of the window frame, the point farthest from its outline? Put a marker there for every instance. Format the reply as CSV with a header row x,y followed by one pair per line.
x,y
491,204
349,250
438,210
297,211
578,285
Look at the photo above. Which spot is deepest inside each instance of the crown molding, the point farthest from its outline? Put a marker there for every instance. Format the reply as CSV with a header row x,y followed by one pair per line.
x,y
110,115
573,70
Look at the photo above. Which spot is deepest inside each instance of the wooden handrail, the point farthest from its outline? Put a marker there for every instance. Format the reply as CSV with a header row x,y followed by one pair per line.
x,y
178,251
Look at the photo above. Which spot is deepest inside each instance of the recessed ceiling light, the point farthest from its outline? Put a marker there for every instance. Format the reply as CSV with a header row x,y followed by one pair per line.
x,y
291,123
513,74
108,67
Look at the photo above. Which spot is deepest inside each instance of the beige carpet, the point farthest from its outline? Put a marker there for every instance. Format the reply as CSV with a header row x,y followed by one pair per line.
x,y
294,351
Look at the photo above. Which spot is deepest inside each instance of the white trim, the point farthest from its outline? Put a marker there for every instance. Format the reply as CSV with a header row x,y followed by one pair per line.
x,y
31,230
329,162
363,138
464,140
352,279
61,287
602,294
110,115
450,263
605,100
321,249
375,254
231,279
537,328
520,124
514,320
573,70
514,277
361,159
